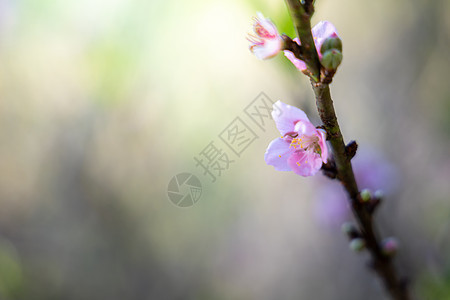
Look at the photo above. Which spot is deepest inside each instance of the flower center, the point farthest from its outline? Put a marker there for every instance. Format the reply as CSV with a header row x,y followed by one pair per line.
x,y
306,143
262,32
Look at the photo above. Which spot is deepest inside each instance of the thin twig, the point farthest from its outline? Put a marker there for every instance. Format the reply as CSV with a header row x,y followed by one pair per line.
x,y
342,155
381,263
301,19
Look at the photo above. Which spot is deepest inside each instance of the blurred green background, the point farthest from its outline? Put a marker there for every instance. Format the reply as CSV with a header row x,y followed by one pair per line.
x,y
102,102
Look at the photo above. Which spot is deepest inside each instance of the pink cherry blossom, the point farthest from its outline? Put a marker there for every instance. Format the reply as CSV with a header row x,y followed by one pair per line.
x,y
266,42
301,148
322,31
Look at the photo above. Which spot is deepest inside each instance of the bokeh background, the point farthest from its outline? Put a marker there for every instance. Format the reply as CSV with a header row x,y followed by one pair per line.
x,y
102,102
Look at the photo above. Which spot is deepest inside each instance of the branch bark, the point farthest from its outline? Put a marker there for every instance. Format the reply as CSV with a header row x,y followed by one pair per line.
x,y
381,263
301,18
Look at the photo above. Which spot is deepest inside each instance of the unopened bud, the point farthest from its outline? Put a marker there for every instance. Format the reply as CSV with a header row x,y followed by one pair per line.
x,y
366,195
331,43
379,194
350,230
390,246
331,59
357,244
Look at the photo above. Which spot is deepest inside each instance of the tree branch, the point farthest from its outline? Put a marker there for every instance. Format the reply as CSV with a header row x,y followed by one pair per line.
x,y
301,17
341,167
381,263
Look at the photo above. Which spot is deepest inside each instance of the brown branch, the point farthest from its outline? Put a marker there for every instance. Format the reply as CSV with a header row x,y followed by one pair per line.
x,y
350,149
381,263
301,17
341,167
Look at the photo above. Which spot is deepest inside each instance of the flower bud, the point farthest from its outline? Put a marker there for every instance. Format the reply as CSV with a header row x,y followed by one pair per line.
x,y
365,195
347,228
350,230
379,194
331,59
333,42
357,244
390,246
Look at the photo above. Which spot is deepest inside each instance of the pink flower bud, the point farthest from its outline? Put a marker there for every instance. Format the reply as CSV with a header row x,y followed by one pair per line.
x,y
390,246
322,31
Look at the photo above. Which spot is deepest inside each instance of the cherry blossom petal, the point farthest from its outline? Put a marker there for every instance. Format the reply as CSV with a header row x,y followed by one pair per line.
x,y
286,116
323,145
305,163
268,49
265,42
267,24
277,154
305,127
298,63
322,31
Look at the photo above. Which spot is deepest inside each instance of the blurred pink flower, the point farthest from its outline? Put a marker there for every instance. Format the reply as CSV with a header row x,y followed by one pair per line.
x,y
320,33
301,148
372,171
267,42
